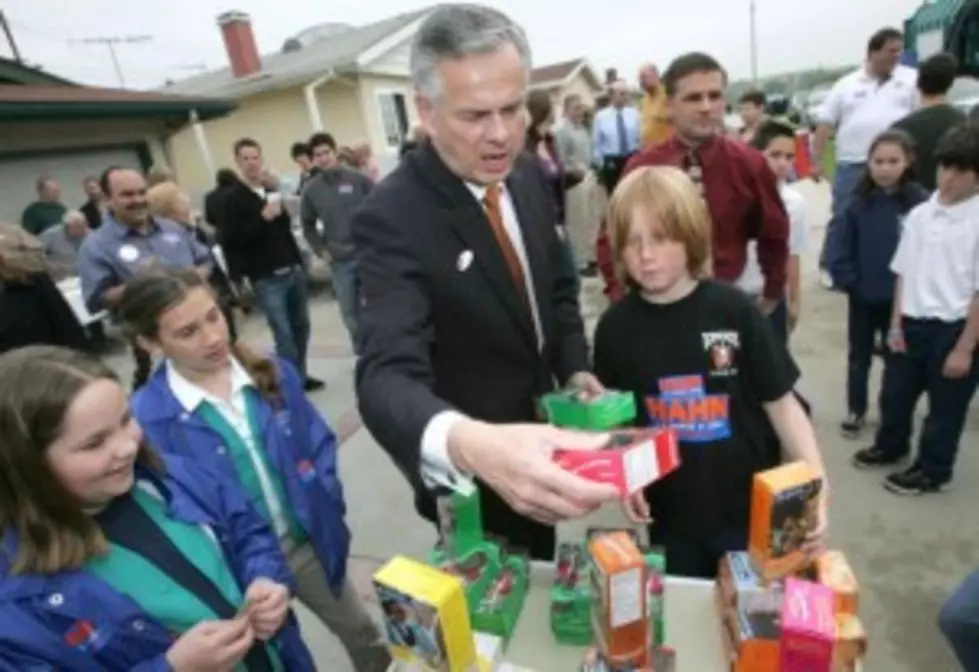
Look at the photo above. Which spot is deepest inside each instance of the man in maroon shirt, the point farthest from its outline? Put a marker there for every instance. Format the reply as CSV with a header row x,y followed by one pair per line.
x,y
739,187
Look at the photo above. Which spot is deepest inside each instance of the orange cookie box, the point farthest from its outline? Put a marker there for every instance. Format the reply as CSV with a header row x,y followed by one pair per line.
x,y
619,593
784,509
833,571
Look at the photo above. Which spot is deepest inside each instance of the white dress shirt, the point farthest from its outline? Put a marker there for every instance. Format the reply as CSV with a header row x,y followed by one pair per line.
x,y
752,281
235,413
938,260
436,467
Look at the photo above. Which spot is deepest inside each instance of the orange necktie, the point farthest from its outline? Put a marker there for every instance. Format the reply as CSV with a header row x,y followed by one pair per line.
x,y
491,201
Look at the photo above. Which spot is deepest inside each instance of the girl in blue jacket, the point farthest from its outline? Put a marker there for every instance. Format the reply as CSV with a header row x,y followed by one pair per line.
x,y
246,417
859,259
113,560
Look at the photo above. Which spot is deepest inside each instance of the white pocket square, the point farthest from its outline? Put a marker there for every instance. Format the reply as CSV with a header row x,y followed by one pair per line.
x,y
465,260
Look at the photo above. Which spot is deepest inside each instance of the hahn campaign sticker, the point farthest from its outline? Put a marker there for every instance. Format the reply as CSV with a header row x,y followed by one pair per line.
x,y
171,237
684,406
128,253
346,189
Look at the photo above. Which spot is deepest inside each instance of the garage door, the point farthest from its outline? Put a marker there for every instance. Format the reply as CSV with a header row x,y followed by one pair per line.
x,y
19,176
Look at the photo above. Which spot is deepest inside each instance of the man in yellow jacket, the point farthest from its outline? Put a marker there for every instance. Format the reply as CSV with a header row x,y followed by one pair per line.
x,y
656,126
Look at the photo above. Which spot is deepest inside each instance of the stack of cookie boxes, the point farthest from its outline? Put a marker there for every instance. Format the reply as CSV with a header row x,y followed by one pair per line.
x,y
781,610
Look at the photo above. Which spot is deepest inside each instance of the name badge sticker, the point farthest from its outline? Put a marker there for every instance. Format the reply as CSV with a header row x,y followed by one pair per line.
x,y
128,253
346,188
171,237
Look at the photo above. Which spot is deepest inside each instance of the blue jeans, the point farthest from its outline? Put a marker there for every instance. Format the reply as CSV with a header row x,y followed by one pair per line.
x,y
284,298
918,371
844,184
959,622
345,288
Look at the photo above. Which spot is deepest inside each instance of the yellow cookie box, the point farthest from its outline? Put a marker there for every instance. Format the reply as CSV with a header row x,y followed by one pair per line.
x,y
426,617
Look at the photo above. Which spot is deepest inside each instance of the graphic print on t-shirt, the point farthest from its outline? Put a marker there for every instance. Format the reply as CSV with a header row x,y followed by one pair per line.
x,y
722,348
684,406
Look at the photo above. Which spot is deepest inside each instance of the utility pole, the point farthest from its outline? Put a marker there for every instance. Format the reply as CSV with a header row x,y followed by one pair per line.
x,y
752,11
112,42
5,26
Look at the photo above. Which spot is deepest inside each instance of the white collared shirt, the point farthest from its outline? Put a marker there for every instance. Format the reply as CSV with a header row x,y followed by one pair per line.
x,y
938,260
235,413
752,281
436,467
860,107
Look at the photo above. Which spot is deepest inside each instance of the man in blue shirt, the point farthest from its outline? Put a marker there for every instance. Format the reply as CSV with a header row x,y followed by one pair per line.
x,y
615,135
129,241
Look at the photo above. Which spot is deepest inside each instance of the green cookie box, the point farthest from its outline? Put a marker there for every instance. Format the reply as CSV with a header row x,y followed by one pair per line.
x,y
498,609
611,409
478,568
460,523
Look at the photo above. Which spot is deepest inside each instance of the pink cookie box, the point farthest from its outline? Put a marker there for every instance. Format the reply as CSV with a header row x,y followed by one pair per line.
x,y
808,627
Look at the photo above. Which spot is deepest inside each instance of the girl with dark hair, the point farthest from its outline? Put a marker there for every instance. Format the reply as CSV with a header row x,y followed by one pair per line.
x,y
115,559
557,179
859,257
246,418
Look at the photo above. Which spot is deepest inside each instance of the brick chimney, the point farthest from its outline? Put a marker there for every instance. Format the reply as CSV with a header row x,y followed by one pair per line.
x,y
239,42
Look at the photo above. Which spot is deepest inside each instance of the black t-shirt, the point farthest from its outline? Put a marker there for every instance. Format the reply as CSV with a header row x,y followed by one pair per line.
x,y
927,126
705,366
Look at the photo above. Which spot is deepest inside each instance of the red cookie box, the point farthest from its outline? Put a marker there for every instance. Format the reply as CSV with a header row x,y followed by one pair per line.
x,y
808,627
630,459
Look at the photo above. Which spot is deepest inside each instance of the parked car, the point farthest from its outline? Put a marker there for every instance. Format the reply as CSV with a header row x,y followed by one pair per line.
x,y
814,103
964,93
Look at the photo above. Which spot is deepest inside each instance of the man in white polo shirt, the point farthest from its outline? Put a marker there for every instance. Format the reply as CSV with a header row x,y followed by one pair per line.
x,y
861,105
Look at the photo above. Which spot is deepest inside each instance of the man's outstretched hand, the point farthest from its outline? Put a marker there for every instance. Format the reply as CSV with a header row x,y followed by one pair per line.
x,y
515,460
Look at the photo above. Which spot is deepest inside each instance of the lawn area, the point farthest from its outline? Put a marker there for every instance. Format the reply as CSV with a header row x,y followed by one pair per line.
x,y
829,160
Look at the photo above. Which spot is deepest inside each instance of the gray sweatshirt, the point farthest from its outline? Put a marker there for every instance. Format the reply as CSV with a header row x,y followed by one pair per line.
x,y
331,198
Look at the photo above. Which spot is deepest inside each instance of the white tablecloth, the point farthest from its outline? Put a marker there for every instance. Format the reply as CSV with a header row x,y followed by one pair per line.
x,y
692,629
71,289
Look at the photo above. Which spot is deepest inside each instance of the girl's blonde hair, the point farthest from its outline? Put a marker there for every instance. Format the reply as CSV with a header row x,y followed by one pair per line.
x,y
667,196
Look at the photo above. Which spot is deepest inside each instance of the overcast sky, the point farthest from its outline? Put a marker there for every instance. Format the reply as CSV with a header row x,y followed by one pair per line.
x,y
792,34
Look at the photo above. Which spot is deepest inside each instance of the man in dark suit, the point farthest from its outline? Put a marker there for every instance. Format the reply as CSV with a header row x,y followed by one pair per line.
x,y
468,310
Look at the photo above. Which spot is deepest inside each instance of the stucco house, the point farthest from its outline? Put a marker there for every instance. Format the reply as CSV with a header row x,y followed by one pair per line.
x,y
352,81
55,127
566,78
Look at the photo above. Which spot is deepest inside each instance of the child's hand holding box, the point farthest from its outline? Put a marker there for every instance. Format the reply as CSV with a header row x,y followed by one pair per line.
x,y
785,505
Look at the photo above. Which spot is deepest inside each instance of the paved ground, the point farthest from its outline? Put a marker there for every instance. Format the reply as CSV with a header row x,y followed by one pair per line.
x,y
907,553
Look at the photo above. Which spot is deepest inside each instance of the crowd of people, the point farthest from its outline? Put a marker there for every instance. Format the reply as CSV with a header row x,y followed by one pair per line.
x,y
169,528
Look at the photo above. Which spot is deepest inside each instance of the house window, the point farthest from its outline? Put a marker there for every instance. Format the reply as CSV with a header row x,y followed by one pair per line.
x,y
394,117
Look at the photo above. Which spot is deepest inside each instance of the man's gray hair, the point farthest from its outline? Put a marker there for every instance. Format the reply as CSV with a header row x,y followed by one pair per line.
x,y
456,31
72,215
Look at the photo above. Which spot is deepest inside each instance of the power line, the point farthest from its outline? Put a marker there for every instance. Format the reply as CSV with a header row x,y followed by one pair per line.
x,y
753,11
112,42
